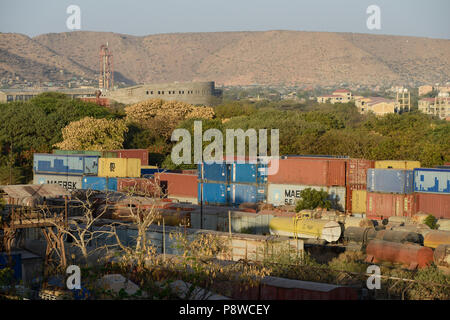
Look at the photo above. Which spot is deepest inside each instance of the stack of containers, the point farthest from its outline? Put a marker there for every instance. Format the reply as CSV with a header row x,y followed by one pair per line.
x,y
356,184
232,182
389,193
298,173
141,154
66,170
178,186
432,191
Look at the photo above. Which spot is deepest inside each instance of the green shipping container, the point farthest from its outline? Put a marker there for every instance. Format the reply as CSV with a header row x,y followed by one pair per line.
x,y
102,154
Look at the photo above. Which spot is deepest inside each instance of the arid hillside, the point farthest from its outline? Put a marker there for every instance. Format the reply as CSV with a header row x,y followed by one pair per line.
x,y
233,58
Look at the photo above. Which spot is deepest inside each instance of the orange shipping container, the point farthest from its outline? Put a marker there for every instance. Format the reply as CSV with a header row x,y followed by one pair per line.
x,y
177,184
310,171
134,153
357,171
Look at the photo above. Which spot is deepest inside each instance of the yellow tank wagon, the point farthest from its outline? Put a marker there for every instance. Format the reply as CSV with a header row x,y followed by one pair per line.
x,y
303,226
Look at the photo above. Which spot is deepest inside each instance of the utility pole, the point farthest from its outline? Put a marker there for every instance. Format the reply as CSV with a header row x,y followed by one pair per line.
x,y
10,160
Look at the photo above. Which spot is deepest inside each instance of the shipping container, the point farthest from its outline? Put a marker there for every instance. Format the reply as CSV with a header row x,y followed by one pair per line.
x,y
142,186
133,153
308,171
119,167
177,184
241,193
390,181
99,183
102,154
254,173
289,194
357,171
68,182
65,164
388,204
147,171
219,172
349,194
433,203
213,193
397,164
432,180
359,201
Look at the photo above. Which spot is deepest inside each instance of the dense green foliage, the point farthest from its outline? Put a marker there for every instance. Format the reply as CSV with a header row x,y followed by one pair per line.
x,y
35,126
312,199
430,221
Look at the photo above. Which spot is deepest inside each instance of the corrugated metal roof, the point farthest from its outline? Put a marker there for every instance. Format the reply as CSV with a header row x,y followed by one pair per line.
x,y
34,190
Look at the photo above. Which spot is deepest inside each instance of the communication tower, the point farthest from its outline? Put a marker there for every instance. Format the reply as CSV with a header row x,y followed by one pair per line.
x,y
106,77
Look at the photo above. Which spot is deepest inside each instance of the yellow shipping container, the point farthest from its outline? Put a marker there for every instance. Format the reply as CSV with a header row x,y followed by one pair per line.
x,y
149,167
397,164
359,201
119,167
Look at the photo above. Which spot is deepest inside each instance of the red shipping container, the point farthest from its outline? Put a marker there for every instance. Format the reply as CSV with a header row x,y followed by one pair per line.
x,y
433,203
357,171
385,205
310,171
139,186
134,153
178,184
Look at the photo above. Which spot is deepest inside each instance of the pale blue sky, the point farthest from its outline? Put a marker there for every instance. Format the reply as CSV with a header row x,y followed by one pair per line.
x,y
423,18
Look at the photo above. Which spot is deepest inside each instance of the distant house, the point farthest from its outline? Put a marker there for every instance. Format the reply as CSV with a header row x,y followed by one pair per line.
x,y
378,105
438,106
425,89
338,96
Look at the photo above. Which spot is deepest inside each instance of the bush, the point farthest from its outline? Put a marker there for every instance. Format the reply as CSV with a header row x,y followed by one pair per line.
x,y
312,199
430,221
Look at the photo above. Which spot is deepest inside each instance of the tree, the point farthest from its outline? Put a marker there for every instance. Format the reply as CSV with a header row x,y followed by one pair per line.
x,y
312,199
93,134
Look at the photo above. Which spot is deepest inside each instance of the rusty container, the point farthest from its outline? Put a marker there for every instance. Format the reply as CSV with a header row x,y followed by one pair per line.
x,y
442,255
409,255
386,205
142,186
357,171
310,171
434,238
133,153
177,184
437,204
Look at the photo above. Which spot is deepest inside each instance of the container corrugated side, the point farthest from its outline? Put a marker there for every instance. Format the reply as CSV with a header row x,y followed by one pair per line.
x,y
99,183
359,201
47,163
214,172
144,186
242,193
119,167
433,203
397,164
254,173
179,184
389,204
390,181
133,153
66,181
301,171
289,194
213,193
357,171
432,180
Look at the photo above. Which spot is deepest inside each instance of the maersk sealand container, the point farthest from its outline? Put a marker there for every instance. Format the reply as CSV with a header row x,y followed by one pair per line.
x,y
432,180
390,181
47,163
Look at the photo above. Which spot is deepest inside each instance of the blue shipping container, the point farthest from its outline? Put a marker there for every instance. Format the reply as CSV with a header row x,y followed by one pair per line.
x,y
240,193
432,180
249,173
14,261
390,181
65,164
99,183
214,172
213,193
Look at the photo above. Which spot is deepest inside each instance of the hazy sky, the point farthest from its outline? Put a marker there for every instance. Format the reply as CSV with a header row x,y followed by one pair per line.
x,y
423,18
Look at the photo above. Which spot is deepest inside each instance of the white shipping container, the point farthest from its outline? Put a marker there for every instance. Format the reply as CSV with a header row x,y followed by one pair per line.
x,y
68,182
289,194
